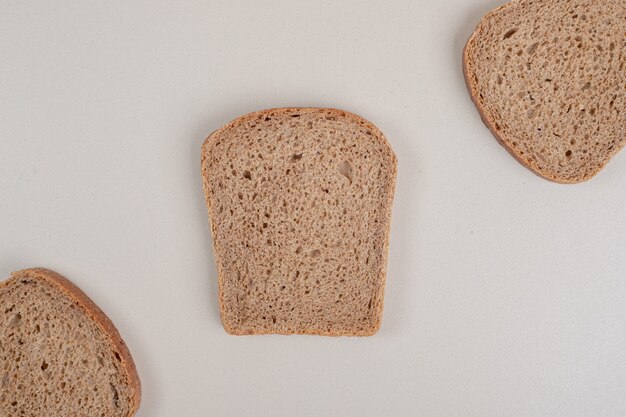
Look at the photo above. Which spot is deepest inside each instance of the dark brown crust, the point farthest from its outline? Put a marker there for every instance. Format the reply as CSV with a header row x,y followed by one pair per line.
x,y
379,136
470,81
93,311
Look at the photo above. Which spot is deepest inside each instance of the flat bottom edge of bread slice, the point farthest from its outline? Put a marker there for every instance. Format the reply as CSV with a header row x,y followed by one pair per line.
x,y
238,330
299,202
59,353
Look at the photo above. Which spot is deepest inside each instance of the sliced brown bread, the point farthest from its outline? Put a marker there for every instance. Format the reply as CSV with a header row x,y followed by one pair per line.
x,y
59,354
549,79
299,201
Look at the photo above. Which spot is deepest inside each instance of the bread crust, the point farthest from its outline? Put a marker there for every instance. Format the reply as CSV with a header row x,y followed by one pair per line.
x,y
471,83
216,244
93,311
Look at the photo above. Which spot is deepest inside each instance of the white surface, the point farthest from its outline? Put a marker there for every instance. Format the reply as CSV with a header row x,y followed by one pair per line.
x,y
506,294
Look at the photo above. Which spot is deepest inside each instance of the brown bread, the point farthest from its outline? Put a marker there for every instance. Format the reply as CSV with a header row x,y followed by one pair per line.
x,y
299,201
59,354
549,79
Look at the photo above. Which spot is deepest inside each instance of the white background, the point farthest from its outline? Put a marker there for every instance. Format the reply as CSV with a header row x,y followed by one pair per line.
x,y
506,294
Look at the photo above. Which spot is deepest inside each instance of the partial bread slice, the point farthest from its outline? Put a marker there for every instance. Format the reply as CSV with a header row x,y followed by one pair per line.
x,y
549,79
299,201
59,354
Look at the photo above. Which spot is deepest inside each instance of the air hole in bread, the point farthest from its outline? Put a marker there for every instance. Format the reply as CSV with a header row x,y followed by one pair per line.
x,y
116,396
532,48
345,169
17,319
510,33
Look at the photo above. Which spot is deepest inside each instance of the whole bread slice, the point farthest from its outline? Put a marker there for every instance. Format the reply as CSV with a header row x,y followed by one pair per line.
x,y
59,354
299,201
549,79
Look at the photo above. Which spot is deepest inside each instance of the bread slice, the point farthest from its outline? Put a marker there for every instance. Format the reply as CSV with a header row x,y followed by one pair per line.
x,y
299,201
549,79
59,354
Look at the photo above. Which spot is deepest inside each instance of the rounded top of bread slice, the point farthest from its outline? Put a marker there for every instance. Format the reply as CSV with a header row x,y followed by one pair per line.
x,y
256,120
549,79
59,353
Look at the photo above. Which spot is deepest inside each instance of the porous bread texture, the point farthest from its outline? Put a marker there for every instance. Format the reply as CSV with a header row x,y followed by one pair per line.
x,y
299,201
59,354
549,79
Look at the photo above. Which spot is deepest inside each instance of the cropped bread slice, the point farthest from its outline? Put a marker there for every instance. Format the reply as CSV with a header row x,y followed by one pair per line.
x,y
549,79
299,201
59,354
